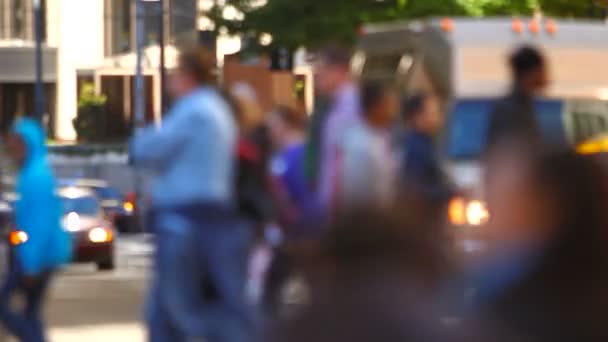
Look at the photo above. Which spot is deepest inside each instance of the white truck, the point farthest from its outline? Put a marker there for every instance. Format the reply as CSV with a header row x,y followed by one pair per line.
x,y
464,62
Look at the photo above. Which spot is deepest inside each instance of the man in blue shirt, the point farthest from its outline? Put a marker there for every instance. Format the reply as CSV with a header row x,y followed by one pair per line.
x,y
199,238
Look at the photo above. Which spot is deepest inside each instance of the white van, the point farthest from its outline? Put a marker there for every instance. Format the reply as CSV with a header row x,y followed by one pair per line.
x,y
464,62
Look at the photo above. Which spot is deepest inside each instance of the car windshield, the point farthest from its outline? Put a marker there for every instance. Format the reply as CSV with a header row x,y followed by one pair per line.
x,y
469,120
87,206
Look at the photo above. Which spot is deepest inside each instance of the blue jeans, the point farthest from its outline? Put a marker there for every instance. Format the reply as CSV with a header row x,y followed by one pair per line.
x,y
189,255
27,324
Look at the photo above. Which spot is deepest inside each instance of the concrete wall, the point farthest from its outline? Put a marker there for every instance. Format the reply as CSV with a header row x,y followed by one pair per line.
x,y
77,29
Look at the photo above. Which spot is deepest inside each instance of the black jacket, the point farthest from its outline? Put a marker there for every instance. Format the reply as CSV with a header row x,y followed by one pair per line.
x,y
514,120
421,171
561,297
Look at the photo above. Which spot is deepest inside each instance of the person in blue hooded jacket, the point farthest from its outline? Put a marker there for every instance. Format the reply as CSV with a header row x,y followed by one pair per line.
x,y
44,245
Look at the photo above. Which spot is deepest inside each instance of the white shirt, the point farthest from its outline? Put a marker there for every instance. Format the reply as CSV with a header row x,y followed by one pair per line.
x,y
368,171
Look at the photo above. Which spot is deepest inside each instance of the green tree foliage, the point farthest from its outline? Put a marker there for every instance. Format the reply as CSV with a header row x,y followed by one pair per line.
x,y
314,22
573,8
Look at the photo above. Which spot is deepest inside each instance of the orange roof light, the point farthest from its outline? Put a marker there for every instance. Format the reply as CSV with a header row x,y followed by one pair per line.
x,y
551,27
447,25
534,26
517,26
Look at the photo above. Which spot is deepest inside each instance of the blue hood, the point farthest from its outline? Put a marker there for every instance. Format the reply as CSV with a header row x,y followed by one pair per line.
x,y
38,210
32,134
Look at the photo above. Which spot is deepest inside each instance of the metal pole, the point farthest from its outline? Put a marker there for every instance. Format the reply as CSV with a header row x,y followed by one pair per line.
x,y
140,103
140,94
39,86
162,69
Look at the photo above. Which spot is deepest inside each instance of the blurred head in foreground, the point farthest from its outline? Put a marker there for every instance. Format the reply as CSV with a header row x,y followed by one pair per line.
x,y
421,113
380,273
548,199
529,70
196,67
367,250
380,103
546,279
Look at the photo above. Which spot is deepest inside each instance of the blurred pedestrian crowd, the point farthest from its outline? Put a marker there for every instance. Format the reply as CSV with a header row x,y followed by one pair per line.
x,y
350,206
287,227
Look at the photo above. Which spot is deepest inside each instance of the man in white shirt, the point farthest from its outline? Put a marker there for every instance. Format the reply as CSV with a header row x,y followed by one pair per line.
x,y
368,165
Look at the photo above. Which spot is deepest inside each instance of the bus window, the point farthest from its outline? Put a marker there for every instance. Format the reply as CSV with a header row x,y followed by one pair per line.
x,y
551,121
468,123
467,129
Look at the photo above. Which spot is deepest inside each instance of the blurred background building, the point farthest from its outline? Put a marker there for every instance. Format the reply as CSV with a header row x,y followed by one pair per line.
x,y
93,43
17,74
85,41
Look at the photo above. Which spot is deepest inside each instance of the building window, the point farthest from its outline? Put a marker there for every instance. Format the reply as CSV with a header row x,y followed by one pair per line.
x,y
118,26
18,19
152,15
43,9
3,24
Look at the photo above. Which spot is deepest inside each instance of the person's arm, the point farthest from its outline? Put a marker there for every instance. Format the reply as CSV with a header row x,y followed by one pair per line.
x,y
423,173
314,141
154,146
356,170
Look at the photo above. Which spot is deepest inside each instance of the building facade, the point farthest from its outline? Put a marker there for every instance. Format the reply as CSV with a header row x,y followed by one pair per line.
x,y
85,41
17,75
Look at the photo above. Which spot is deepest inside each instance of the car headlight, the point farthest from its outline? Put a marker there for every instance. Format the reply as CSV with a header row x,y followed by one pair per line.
x,y
128,207
100,235
72,222
18,237
462,212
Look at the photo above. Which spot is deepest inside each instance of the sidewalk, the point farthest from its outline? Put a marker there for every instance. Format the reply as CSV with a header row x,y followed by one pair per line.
x,y
100,333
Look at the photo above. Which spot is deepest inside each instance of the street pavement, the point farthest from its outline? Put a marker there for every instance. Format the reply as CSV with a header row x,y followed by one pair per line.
x,y
91,306
86,305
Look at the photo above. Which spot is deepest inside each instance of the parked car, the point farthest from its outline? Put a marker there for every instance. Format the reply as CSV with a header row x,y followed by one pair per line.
x,y
120,209
93,235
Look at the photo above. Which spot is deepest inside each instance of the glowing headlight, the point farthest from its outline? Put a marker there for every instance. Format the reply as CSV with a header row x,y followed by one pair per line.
x,y
457,211
72,222
18,237
477,213
462,212
128,207
100,235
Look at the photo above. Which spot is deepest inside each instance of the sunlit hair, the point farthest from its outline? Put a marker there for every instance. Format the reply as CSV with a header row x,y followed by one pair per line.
x,y
200,64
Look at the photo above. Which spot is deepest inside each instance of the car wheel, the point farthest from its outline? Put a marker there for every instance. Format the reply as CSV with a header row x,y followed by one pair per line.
x,y
106,265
